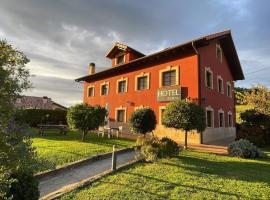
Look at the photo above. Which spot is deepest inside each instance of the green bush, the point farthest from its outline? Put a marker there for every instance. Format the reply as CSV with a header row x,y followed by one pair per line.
x,y
143,121
169,148
24,188
153,148
245,149
255,134
33,117
252,118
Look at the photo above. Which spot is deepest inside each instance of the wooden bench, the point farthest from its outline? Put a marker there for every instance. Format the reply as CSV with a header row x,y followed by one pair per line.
x,y
61,128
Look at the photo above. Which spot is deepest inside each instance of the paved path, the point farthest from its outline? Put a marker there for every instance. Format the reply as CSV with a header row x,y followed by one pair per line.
x,y
51,184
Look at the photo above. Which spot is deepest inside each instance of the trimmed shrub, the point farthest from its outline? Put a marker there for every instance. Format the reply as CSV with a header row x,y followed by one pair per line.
x,y
33,117
143,121
245,149
256,135
169,148
152,149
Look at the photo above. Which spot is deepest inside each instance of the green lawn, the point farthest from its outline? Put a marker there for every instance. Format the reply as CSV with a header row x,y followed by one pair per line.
x,y
193,175
60,149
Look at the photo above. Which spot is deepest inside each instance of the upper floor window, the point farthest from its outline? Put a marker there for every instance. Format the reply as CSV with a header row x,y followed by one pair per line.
x,y
142,81
220,84
229,89
169,76
208,78
219,53
90,91
120,59
104,89
122,85
221,118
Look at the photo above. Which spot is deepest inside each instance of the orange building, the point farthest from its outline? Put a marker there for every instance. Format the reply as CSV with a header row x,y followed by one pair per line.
x,y
202,70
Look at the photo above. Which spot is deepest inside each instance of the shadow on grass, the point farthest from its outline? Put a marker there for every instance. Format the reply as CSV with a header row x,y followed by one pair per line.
x,y
237,170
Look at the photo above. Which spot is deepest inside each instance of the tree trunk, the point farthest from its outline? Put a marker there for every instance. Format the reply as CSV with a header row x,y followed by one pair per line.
x,y
83,136
185,140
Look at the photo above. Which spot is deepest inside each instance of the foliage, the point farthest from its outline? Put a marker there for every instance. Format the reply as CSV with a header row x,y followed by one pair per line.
x,y
240,95
254,118
17,159
33,117
245,149
259,98
26,187
14,78
239,110
85,117
143,121
184,115
256,135
153,148
169,148
192,175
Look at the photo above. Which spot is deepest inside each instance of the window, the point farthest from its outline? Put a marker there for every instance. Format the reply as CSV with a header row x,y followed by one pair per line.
x,y
104,89
169,76
230,119
161,113
229,89
90,91
209,78
120,59
209,117
142,81
221,118
220,84
120,114
219,53
122,85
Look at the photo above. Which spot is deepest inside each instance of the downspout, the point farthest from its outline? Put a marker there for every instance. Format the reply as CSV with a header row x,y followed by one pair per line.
x,y
199,82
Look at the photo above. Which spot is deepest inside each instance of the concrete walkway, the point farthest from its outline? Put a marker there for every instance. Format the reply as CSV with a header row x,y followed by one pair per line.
x,y
50,184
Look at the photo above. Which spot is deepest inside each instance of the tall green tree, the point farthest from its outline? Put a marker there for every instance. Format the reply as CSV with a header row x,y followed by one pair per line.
x,y
17,156
85,118
185,116
14,78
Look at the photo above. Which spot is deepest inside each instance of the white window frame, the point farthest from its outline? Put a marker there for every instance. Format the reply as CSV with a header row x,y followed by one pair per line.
x,y
167,69
209,108
117,85
218,47
230,114
102,84
161,108
116,59
229,94
222,86
116,113
90,86
143,74
220,111
208,69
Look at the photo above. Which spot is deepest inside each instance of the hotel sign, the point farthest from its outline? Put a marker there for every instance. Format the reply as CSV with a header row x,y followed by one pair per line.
x,y
169,94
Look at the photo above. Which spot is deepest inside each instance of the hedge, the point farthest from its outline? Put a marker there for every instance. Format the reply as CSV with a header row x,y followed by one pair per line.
x,y
33,117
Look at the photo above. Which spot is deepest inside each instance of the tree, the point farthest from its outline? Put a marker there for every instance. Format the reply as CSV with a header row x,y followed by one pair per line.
x,y
85,117
18,159
143,121
239,94
259,98
185,116
14,78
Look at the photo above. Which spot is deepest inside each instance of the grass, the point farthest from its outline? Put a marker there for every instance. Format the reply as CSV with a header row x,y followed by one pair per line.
x,y
192,175
60,150
239,109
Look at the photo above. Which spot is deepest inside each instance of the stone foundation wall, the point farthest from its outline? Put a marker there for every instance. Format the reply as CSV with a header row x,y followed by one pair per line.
x,y
212,134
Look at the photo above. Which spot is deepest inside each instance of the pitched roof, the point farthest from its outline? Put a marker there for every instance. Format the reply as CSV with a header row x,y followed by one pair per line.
x,y
226,42
123,47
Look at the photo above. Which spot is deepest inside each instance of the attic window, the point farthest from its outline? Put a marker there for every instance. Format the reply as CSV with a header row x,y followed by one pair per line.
x,y
120,59
219,53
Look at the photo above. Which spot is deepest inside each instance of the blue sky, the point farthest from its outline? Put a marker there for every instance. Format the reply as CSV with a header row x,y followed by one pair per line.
x,y
62,36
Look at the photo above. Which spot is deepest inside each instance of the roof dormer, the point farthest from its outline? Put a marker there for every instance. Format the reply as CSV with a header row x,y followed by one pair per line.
x,y
121,54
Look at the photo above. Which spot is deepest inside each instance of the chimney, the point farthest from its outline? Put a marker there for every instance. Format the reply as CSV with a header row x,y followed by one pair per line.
x,y
92,68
